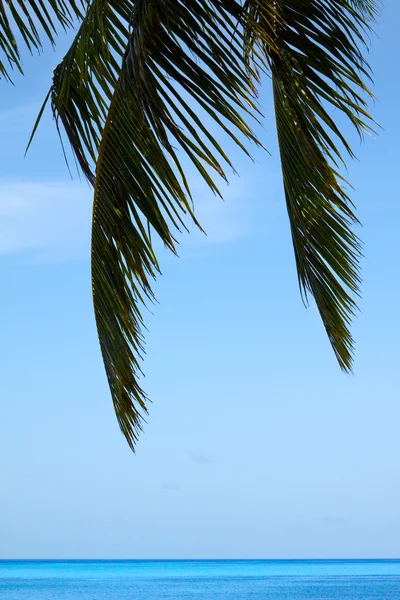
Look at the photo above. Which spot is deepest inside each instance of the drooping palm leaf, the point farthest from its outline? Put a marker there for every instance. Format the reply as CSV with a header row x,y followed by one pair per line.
x,y
316,61
31,20
148,62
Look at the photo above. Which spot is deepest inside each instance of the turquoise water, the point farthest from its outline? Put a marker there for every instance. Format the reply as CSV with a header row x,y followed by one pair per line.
x,y
202,580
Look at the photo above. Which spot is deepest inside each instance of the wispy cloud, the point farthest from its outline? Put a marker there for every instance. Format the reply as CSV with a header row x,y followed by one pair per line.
x,y
239,215
224,220
50,219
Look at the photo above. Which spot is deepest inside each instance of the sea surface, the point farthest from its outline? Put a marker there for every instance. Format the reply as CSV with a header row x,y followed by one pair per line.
x,y
200,580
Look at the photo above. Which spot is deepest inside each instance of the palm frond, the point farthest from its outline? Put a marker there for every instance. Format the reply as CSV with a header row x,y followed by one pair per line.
x,y
31,20
367,8
150,63
316,61
128,94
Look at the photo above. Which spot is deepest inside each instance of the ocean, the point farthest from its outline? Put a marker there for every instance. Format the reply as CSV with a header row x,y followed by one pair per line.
x,y
200,580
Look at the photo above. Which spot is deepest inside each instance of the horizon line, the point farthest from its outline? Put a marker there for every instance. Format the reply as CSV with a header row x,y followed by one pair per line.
x,y
58,559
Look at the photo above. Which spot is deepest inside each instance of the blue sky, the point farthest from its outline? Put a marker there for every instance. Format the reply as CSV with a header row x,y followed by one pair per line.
x,y
256,444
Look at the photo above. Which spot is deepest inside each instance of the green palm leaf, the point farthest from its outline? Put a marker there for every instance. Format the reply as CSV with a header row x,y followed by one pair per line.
x,y
30,20
315,61
149,63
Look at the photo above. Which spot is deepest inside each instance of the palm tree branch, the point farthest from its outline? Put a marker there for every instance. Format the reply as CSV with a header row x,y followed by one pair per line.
x,y
126,95
316,62
29,21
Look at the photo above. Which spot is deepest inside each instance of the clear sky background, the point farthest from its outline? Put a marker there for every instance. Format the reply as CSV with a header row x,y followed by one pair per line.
x,y
256,444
